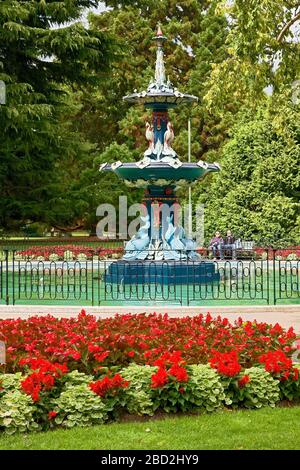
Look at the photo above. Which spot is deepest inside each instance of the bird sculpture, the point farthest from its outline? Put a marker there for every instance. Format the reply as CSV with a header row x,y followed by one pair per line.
x,y
169,138
150,137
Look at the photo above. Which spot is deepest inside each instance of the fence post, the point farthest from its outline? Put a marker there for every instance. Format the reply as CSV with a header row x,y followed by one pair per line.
x,y
92,269
274,275
13,277
6,278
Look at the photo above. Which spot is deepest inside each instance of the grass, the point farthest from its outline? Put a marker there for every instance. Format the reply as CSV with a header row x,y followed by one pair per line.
x,y
230,430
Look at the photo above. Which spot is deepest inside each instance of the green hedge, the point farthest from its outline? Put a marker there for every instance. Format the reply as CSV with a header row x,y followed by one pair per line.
x,y
72,402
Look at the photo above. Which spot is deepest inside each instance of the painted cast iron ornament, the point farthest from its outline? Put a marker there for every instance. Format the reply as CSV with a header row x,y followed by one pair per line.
x,y
160,171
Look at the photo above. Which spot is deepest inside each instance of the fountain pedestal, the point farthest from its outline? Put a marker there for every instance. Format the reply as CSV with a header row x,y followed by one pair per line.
x,y
176,273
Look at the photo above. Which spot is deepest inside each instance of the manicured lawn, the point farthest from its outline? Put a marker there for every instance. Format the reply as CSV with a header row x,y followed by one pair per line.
x,y
260,429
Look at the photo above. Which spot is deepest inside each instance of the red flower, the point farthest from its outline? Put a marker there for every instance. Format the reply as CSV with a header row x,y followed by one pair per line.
x,y
277,363
243,381
179,372
52,414
102,387
35,383
51,345
159,379
100,357
225,363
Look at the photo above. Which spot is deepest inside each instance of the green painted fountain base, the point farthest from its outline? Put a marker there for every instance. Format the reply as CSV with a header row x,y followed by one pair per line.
x,y
161,272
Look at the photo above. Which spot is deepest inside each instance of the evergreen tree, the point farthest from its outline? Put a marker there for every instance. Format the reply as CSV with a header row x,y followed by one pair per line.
x,y
257,193
40,60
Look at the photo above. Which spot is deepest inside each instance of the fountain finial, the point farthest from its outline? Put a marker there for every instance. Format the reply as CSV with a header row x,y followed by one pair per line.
x,y
159,30
160,74
160,91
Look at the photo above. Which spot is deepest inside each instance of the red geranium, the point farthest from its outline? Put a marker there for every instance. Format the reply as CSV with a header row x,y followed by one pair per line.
x,y
85,342
243,381
52,414
159,379
225,363
107,384
179,372
277,363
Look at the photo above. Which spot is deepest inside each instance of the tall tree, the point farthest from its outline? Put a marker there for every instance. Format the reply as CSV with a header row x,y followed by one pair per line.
x,y
40,60
263,52
257,193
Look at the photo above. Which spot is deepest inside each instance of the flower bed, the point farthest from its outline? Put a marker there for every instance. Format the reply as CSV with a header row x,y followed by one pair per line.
x,y
84,371
285,254
68,253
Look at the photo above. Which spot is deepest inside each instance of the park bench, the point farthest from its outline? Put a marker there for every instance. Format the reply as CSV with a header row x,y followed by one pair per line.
x,y
244,250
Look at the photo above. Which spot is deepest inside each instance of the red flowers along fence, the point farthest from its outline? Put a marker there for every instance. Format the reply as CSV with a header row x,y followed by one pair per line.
x,y
82,371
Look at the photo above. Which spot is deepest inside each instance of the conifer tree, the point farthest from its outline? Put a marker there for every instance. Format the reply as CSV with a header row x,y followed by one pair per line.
x,y
44,52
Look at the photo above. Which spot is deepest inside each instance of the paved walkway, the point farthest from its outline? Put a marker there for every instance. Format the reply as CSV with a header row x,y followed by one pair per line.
x,y
285,315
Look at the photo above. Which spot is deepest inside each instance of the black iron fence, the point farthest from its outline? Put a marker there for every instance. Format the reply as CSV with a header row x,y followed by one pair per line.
x,y
270,276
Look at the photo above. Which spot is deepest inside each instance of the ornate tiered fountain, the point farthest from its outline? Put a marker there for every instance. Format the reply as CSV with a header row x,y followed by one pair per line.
x,y
160,252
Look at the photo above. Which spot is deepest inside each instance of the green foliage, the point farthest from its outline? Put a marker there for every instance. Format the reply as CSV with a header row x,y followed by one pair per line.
x,y
263,51
202,392
10,382
79,406
16,412
75,404
261,390
40,65
256,194
204,389
138,394
76,378
290,389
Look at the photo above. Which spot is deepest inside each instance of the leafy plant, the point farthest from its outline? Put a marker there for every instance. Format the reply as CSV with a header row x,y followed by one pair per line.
x,y
138,394
202,390
79,406
16,413
260,389
10,382
76,378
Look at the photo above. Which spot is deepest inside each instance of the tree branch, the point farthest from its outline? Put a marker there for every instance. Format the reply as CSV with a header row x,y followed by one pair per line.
x,y
287,26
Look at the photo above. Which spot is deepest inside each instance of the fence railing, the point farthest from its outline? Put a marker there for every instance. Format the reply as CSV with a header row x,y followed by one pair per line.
x,y
270,279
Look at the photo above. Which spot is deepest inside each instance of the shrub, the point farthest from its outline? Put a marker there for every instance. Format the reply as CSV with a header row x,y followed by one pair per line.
x,y
16,413
259,389
53,257
292,257
202,391
138,394
81,257
290,388
76,378
10,382
68,255
79,406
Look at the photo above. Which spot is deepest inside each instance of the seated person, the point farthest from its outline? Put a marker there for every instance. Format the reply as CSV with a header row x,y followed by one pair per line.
x,y
229,244
216,244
